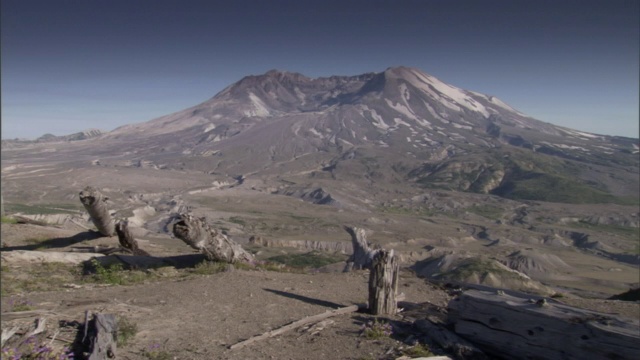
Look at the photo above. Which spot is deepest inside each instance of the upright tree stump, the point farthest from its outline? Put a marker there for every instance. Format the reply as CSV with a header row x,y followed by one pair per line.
x,y
383,284
102,333
362,257
95,204
215,246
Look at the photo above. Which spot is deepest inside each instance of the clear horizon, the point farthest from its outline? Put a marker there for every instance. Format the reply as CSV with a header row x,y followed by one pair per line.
x,y
75,65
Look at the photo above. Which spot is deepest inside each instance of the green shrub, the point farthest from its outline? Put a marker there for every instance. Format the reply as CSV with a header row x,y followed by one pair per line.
x,y
418,350
127,330
209,267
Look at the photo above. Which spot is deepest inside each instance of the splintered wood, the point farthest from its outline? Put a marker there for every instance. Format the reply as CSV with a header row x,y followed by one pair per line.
x,y
362,257
215,246
126,240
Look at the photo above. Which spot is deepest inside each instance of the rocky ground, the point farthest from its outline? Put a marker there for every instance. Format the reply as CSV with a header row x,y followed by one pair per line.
x,y
197,313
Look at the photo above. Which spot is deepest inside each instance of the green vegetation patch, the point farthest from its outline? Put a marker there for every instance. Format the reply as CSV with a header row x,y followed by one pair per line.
x,y
313,259
553,188
474,266
627,231
9,220
488,211
44,209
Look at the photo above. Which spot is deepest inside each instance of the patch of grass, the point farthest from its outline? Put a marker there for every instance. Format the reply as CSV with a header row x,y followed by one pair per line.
x,y
629,231
475,266
376,329
127,330
115,274
419,350
313,259
488,211
401,210
9,220
44,209
208,268
237,220
20,305
529,185
154,352
38,277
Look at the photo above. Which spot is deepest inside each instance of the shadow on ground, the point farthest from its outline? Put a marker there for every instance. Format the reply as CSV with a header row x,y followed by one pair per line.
x,y
57,242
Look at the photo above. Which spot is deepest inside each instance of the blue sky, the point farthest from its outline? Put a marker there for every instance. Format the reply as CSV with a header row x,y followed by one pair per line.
x,y
70,65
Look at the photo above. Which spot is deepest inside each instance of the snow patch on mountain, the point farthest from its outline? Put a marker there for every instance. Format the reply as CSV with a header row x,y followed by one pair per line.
x,y
445,93
260,109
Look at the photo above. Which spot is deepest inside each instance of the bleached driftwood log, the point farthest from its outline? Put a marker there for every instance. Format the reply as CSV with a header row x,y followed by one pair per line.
x,y
383,284
362,257
126,240
518,328
213,244
448,340
95,204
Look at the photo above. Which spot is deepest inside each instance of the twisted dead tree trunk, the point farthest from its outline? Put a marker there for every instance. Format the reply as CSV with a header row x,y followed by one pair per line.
x,y
215,246
362,257
126,240
383,284
95,204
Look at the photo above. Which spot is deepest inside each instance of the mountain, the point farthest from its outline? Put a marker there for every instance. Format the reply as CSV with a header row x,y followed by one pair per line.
x,y
430,170
397,126
370,134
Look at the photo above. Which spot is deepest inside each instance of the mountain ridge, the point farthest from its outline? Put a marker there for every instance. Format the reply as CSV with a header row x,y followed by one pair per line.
x,y
373,124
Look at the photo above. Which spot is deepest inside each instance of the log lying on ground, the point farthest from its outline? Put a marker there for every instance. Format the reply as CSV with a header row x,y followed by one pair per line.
x,y
362,257
33,256
448,340
383,284
514,327
126,240
95,204
213,244
305,321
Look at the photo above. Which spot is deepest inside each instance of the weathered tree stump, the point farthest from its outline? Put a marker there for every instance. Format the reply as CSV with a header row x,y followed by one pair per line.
x,y
362,257
519,328
383,284
215,246
101,333
95,204
126,240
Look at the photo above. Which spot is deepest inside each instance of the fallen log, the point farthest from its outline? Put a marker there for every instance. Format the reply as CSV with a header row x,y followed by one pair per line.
x,y
33,256
515,327
96,205
196,233
305,321
383,284
448,340
362,257
126,240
